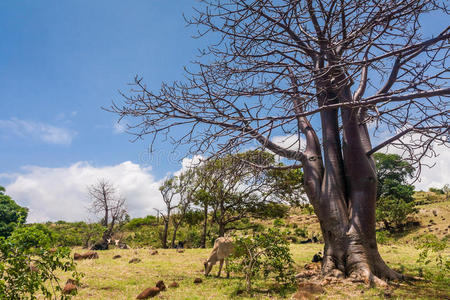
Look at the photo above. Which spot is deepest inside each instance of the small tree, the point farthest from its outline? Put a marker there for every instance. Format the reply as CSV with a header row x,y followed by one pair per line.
x,y
11,214
262,255
168,192
106,200
395,196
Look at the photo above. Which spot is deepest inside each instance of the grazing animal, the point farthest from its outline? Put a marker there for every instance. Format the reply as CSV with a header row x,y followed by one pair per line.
x,y
118,244
317,257
223,247
180,245
148,293
161,286
100,246
87,255
69,288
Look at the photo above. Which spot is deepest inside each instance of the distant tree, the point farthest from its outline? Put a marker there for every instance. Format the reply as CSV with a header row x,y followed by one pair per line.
x,y
185,187
436,191
393,173
204,200
394,194
11,214
168,191
446,190
235,185
107,201
286,185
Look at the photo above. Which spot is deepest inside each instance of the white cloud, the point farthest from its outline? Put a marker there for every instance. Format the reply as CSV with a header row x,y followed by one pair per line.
x,y
119,128
188,163
54,194
36,130
437,176
291,142
439,173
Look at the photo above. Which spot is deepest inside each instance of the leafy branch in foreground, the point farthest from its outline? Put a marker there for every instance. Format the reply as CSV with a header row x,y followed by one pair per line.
x,y
29,265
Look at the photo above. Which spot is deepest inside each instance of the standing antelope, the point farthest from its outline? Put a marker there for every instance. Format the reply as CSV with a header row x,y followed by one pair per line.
x,y
223,247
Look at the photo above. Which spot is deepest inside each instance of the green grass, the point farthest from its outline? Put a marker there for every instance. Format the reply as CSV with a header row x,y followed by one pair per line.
x,y
106,278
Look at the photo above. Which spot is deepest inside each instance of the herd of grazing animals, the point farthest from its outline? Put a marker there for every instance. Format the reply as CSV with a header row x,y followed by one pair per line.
x,y
223,247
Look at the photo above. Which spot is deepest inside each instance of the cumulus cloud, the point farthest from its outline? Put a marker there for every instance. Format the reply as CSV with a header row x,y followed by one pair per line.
x,y
188,163
36,130
435,171
54,194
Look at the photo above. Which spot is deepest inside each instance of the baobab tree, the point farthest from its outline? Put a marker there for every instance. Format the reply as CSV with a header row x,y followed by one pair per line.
x,y
328,74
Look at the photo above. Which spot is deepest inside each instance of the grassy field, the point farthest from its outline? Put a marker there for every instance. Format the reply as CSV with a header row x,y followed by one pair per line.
x,y
108,278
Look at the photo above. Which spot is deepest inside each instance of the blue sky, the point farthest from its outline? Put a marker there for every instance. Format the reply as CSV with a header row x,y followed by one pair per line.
x,y
60,62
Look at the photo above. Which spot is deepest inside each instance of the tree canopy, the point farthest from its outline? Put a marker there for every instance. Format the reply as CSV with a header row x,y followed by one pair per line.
x,y
11,214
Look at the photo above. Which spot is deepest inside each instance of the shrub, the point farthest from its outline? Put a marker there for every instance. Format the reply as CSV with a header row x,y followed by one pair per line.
x,y
302,232
308,209
391,210
436,191
262,255
433,249
278,222
28,264
138,222
383,237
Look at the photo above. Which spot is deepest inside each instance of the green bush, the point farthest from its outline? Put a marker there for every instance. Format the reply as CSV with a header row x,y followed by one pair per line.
x,y
436,191
391,210
302,232
263,255
433,250
308,209
68,234
28,264
278,222
138,222
383,237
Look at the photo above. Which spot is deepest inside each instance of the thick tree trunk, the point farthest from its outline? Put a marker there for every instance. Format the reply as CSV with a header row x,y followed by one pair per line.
x,y
342,188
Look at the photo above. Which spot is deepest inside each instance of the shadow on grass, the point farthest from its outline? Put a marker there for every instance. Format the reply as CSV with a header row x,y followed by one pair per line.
x,y
422,289
273,290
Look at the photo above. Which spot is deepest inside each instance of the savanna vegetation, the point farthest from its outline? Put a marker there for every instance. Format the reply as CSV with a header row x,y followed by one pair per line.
x,y
419,249
321,214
